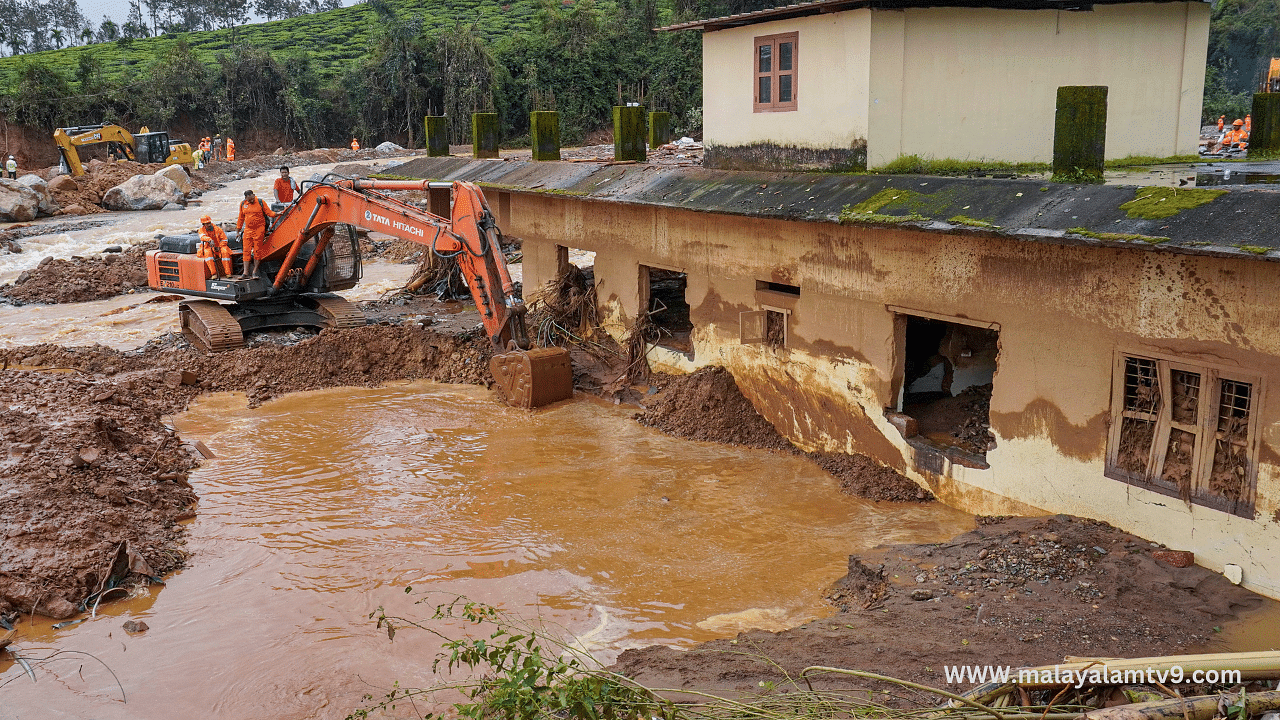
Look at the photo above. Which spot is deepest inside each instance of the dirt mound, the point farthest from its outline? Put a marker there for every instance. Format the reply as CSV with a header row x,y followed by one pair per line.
x,y
1020,591
87,467
81,279
221,172
707,405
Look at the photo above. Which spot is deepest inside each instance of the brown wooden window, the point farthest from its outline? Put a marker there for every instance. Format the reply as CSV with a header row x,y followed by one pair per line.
x,y
776,63
1185,430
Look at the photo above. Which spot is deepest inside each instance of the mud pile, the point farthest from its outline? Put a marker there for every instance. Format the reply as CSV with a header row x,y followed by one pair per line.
x,y
100,177
1025,591
87,468
221,172
707,405
81,278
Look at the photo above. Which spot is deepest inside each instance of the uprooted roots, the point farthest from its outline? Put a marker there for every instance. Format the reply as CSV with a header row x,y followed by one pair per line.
x,y
565,310
437,275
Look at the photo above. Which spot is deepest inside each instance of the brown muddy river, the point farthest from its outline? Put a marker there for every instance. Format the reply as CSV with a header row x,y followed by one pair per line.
x,y
322,506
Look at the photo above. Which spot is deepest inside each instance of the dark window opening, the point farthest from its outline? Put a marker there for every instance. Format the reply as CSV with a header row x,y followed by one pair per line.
x,y
664,295
1184,431
777,287
948,373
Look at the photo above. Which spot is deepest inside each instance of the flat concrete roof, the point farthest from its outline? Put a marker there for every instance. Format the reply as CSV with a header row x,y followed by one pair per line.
x,y
818,7
1237,221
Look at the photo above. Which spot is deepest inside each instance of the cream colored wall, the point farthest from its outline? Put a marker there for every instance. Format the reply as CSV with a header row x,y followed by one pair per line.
x,y
831,84
1063,313
982,83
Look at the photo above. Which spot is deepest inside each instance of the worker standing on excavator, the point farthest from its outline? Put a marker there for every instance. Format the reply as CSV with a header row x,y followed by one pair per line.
x,y
285,187
355,144
214,248
253,222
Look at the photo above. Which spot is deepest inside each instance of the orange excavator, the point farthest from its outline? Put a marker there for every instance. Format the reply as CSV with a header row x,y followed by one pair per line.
x,y
312,251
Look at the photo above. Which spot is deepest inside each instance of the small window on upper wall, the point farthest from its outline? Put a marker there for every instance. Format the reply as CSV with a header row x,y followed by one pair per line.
x,y
776,62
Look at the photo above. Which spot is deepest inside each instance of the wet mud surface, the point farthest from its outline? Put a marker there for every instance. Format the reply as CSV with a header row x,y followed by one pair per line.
x,y
87,463
80,279
1014,591
707,405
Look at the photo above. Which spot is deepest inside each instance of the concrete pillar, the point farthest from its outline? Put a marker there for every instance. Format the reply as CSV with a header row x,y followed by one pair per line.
x,y
484,135
437,134
1264,131
628,133
1080,133
439,201
544,134
659,129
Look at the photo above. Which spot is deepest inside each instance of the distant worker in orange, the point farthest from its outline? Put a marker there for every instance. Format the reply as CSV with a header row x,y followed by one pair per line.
x,y
254,215
1222,121
214,248
231,150
1248,124
285,186
355,144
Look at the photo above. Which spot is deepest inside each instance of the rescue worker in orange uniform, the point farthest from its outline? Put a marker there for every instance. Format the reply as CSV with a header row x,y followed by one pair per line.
x,y
1222,121
231,150
253,218
1236,138
355,144
214,248
1248,124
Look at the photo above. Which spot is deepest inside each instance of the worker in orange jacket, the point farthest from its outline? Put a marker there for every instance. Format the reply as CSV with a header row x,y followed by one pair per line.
x,y
213,248
253,220
355,144
1236,138
1248,124
1222,121
231,149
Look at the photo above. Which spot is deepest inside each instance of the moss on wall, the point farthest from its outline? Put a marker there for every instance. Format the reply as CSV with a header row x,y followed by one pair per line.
x,y
544,133
628,133
659,129
1154,203
1118,237
437,134
1264,134
484,135
1080,132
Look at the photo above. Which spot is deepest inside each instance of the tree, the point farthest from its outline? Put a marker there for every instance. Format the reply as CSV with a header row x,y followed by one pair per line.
x,y
56,35
108,31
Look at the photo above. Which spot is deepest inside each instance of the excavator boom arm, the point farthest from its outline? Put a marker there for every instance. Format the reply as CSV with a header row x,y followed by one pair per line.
x,y
68,139
471,235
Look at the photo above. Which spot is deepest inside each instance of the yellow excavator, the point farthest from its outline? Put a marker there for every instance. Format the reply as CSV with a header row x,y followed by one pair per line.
x,y
144,146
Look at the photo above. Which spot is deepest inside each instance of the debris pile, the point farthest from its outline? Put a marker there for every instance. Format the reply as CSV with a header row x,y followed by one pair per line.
x,y
81,278
707,405
974,433
1096,592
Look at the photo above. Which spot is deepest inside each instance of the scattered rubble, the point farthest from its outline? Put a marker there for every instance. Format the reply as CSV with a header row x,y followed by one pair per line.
x,y
81,278
1024,591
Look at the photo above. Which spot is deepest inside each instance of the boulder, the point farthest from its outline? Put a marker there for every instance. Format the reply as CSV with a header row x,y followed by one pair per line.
x,y
74,210
48,206
18,202
178,174
172,206
388,147
63,183
142,192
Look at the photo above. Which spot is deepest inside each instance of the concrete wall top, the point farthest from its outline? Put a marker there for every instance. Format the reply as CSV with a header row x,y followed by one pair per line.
x,y
1237,223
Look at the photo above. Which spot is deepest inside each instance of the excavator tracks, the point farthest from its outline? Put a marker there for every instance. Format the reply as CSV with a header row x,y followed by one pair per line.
x,y
338,312
209,326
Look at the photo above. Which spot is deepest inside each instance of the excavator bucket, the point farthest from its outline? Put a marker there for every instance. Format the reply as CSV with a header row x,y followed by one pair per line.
x,y
533,378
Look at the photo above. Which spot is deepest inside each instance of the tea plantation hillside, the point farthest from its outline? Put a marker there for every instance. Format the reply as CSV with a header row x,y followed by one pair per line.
x,y
334,39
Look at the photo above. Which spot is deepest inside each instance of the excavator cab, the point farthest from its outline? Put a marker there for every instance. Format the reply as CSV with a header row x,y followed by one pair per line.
x,y
152,147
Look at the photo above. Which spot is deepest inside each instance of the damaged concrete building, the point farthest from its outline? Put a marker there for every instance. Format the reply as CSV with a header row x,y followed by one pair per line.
x,y
851,84
1015,347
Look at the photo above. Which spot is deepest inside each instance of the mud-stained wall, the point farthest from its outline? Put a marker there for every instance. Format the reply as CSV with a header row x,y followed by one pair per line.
x,y
1063,313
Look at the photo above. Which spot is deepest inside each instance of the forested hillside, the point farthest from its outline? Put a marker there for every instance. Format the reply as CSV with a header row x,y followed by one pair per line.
x,y
373,70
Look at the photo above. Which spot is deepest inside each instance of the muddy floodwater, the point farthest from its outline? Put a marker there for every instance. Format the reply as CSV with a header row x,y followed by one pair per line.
x,y
322,506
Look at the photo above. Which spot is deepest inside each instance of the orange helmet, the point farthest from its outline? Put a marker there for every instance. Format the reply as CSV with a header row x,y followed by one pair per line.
x,y
1238,123
205,219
